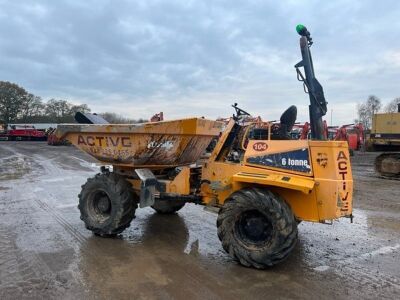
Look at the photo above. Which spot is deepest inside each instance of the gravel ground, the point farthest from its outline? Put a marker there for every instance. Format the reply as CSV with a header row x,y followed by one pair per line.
x,y
46,252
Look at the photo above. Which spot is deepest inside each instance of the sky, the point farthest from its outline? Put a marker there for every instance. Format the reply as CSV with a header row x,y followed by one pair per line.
x,y
196,58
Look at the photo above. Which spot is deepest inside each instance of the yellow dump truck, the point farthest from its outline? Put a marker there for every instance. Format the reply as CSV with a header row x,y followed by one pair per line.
x,y
262,182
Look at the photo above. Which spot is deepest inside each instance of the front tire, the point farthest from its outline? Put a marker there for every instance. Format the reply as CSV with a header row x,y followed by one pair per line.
x,y
257,228
107,204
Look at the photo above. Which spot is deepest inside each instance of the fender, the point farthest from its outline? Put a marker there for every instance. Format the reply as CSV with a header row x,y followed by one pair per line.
x,y
304,185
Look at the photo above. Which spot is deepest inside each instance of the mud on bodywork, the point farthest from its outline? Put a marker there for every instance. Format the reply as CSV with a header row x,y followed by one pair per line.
x,y
168,143
149,150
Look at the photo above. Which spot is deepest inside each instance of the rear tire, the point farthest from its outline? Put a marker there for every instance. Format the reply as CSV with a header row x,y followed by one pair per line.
x,y
107,204
167,207
257,228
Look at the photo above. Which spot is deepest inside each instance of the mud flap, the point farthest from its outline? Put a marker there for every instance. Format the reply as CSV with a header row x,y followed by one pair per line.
x,y
147,187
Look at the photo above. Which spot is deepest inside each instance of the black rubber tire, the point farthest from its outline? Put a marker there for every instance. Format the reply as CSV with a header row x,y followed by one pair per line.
x,y
167,207
122,204
281,237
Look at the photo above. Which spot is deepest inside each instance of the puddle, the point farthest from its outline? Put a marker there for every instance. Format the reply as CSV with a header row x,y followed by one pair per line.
x,y
14,167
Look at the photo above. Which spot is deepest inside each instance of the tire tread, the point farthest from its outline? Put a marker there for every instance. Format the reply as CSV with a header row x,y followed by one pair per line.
x,y
263,200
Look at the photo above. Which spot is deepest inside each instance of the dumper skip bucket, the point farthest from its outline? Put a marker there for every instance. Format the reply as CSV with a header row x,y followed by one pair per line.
x,y
159,144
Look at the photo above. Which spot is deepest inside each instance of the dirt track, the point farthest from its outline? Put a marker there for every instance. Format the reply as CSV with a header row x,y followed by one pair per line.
x,y
45,251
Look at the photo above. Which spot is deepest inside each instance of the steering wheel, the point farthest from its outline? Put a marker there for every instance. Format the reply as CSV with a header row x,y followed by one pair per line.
x,y
239,112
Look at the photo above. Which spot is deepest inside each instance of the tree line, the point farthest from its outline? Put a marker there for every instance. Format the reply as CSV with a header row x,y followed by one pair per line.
x,y
19,106
372,106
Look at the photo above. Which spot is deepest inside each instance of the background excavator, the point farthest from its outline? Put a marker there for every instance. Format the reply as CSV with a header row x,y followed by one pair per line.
x,y
385,136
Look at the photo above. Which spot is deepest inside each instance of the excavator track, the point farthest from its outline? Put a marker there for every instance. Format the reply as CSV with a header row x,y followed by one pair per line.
x,y
387,165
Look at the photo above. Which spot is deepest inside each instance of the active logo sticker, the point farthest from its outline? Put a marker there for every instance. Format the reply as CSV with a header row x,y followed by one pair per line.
x,y
104,141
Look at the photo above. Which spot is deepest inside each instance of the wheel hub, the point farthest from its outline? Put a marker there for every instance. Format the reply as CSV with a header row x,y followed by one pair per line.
x,y
253,227
103,204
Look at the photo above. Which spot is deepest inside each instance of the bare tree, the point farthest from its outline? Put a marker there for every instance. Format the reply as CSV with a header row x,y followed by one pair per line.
x,y
392,106
118,119
58,109
83,108
367,110
32,107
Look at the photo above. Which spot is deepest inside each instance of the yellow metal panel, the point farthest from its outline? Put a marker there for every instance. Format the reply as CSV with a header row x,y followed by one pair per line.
x,y
304,185
275,146
385,129
194,126
222,138
388,123
396,123
304,206
272,147
333,177
180,184
221,179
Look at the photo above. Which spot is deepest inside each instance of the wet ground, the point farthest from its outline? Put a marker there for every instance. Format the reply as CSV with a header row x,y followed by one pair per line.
x,y
45,251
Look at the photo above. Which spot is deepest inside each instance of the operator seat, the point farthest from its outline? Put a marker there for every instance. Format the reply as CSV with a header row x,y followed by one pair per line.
x,y
280,131
287,120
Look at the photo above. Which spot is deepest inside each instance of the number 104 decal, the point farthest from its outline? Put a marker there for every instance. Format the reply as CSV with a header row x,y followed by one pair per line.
x,y
260,146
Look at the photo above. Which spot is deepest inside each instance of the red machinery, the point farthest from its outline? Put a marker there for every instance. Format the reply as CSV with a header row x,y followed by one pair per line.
x,y
303,131
352,133
23,133
300,131
53,140
157,117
